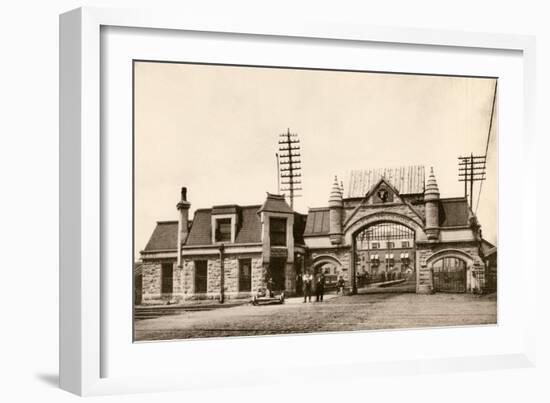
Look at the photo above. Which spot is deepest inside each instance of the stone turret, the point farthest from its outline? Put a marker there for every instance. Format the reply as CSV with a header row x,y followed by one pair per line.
x,y
431,198
183,221
336,210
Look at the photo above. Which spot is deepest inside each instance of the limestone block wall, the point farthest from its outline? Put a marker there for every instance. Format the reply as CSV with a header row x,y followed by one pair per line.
x,y
258,273
341,254
151,281
186,277
213,279
428,254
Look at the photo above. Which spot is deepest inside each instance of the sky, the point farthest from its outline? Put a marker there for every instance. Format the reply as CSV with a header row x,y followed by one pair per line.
x,y
215,130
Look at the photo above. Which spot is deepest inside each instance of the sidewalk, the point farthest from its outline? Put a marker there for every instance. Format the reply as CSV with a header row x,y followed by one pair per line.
x,y
300,300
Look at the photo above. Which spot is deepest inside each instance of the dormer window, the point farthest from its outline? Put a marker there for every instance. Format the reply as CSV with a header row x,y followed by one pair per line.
x,y
223,230
277,231
225,221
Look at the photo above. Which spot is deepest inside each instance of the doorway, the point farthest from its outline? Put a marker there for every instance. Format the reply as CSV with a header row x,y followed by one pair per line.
x,y
277,273
449,275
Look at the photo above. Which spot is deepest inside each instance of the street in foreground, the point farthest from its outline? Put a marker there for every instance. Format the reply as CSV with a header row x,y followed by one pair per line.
x,y
343,313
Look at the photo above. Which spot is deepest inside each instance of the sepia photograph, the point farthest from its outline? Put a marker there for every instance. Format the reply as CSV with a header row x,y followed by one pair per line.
x,y
283,200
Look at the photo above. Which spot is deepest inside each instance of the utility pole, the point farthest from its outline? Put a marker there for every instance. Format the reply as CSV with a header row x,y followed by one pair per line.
x,y
278,175
471,169
289,146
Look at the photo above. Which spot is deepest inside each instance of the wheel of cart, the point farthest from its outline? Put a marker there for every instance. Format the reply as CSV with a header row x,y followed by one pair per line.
x,y
267,299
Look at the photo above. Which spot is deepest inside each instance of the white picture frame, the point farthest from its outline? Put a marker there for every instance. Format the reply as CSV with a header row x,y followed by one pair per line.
x,y
83,306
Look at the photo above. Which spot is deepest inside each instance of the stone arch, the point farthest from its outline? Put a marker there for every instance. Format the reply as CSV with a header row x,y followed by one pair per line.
x,y
456,253
322,259
469,281
353,229
366,221
333,274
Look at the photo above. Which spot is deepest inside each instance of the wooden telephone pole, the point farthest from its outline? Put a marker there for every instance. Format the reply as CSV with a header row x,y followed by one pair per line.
x,y
471,169
289,147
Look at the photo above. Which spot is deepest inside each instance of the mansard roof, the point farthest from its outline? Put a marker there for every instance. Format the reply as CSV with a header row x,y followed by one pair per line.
x,y
317,222
164,237
454,212
407,180
249,226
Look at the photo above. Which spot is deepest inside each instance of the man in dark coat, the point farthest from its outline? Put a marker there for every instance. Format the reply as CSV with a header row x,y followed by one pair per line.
x,y
307,280
341,284
320,287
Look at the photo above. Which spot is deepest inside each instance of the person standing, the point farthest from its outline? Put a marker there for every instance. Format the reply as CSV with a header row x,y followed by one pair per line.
x,y
320,287
341,284
307,280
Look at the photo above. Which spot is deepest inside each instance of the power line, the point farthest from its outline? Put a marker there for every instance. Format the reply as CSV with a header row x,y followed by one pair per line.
x,y
289,158
488,140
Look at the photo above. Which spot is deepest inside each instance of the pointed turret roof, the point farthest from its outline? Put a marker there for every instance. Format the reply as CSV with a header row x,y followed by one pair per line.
x,y
336,193
431,185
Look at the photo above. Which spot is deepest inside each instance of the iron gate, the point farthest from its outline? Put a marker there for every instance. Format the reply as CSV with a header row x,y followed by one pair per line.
x,y
449,275
385,252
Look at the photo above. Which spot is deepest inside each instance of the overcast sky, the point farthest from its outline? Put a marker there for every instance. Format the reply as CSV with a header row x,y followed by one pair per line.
x,y
215,130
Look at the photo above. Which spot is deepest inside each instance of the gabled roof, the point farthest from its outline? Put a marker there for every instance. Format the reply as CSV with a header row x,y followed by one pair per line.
x,y
317,222
454,212
377,184
164,237
276,204
370,193
407,180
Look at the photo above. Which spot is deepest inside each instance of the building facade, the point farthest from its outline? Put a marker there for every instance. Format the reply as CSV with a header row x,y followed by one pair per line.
x,y
392,225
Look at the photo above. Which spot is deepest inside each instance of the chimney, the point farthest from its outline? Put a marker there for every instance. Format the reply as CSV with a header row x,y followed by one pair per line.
x,y
183,221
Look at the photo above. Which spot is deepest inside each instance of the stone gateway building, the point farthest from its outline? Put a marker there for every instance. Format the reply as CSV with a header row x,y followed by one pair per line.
x,y
392,226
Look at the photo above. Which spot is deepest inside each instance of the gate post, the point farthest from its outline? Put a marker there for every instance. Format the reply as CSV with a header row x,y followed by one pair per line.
x,y
425,279
290,279
352,280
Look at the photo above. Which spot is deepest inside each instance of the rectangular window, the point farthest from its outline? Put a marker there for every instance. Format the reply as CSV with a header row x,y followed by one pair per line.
x,y
245,274
405,244
201,276
223,230
277,231
167,278
375,245
390,245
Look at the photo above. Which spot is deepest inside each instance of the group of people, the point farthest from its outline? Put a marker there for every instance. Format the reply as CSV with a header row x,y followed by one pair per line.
x,y
307,286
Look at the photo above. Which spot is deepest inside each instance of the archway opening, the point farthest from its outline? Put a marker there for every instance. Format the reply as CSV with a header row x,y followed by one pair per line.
x,y
449,274
384,258
331,270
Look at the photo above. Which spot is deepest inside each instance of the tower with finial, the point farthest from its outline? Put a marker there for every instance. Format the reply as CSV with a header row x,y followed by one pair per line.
x,y
431,199
336,209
